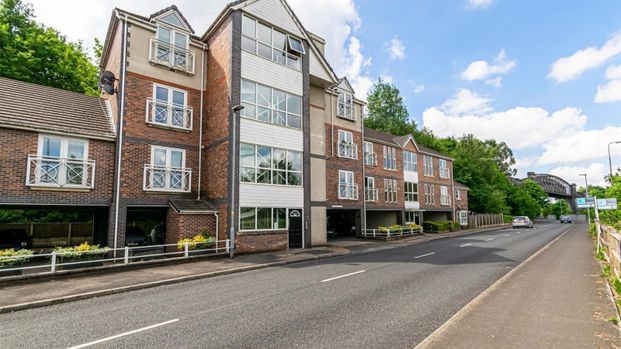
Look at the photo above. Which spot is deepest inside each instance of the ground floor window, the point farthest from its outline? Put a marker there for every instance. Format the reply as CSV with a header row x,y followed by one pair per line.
x,y
413,217
411,191
390,190
262,218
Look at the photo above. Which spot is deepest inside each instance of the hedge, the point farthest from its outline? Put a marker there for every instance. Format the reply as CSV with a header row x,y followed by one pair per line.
x,y
435,227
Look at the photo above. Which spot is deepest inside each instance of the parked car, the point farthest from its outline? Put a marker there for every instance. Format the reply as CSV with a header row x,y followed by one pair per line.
x,y
566,219
135,236
157,235
14,238
521,222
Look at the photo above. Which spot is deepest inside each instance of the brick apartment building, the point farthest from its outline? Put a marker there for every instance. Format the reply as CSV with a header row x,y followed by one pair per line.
x,y
244,131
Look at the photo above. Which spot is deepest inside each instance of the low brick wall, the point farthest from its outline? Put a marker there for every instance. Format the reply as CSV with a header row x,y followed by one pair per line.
x,y
261,242
182,226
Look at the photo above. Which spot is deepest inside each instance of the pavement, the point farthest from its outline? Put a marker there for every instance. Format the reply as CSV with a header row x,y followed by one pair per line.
x,y
556,300
393,297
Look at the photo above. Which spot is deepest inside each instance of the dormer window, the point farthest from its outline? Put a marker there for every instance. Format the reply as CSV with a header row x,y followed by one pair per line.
x,y
172,19
170,48
270,43
345,106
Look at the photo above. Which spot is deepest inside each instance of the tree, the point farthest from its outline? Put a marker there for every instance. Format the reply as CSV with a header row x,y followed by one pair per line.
x,y
34,53
387,112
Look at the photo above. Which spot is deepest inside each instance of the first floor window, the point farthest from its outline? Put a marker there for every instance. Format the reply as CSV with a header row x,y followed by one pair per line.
x,y
457,194
267,165
443,166
428,166
61,161
411,191
445,199
390,158
409,161
168,168
390,190
262,218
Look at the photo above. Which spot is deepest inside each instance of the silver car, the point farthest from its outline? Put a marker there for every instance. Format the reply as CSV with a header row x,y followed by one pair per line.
x,y
521,222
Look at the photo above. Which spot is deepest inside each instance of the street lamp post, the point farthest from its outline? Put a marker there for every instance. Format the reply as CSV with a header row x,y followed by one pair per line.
x,y
610,158
586,183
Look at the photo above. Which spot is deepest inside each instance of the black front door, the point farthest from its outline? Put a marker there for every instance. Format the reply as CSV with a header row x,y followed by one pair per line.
x,y
295,228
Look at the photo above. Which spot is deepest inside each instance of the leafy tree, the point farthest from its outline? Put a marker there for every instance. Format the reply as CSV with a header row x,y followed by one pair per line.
x,y
34,53
387,112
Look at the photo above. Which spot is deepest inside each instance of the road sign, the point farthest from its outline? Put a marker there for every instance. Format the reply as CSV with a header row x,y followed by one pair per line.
x,y
607,204
585,202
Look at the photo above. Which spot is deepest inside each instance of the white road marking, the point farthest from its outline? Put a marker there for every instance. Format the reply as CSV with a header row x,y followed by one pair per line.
x,y
490,239
464,245
343,276
123,334
507,234
424,255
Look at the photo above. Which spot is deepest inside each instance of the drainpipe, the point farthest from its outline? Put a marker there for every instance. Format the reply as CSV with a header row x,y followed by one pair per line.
x,y
453,192
332,122
236,110
200,122
120,128
364,188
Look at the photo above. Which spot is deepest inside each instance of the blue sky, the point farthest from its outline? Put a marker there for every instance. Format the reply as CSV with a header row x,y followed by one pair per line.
x,y
522,71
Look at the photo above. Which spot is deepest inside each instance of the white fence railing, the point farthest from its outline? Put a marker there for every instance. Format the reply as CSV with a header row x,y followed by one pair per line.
x,y
346,110
169,115
45,171
387,233
348,191
53,262
348,150
173,179
178,58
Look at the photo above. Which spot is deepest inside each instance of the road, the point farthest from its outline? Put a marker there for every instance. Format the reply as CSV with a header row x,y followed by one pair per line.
x,y
387,299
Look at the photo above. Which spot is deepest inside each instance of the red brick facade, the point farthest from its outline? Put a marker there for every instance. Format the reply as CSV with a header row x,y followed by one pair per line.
x,y
186,226
261,242
379,173
334,163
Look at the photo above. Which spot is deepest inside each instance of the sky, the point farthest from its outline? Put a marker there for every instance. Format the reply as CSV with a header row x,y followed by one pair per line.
x,y
542,76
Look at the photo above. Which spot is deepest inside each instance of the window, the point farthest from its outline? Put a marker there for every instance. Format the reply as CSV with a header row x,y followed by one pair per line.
x,y
443,168
347,189
430,194
266,165
428,165
370,158
269,105
390,190
345,106
169,108
390,158
60,162
409,161
346,146
167,170
412,217
369,187
457,194
411,191
261,218
172,48
445,198
272,44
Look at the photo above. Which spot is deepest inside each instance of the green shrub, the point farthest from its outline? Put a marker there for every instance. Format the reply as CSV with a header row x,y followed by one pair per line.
x,y
435,227
83,250
12,256
507,218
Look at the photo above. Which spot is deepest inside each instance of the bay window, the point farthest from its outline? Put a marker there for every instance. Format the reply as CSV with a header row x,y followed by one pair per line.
x,y
267,42
267,165
270,105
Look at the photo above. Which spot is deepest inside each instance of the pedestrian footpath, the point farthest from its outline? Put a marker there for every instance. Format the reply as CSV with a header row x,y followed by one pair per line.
x,y
557,299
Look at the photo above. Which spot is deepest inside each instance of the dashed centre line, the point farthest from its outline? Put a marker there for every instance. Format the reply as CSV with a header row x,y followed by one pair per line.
x,y
123,334
425,255
343,276
464,245
490,239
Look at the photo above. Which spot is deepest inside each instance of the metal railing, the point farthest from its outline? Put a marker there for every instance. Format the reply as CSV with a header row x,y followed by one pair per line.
x,y
45,171
169,115
371,194
173,179
387,233
348,191
348,150
53,262
370,159
166,54
346,110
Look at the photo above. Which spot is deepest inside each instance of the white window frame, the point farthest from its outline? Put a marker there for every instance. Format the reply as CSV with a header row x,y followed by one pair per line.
x,y
430,194
272,169
272,107
347,175
272,209
61,164
410,161
370,158
289,57
390,158
457,194
390,190
170,103
185,172
169,151
409,193
428,165
173,35
346,101
443,168
64,146
445,198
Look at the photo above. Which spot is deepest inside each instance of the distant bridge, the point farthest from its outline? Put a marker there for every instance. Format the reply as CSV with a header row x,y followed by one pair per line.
x,y
555,187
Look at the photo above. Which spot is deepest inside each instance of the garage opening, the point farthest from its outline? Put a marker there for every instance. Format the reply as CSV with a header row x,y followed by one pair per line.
x,y
376,219
343,223
145,226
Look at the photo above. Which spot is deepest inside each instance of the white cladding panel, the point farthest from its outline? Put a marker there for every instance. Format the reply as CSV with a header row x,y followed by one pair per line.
x,y
275,13
316,68
258,195
409,176
412,205
272,74
257,132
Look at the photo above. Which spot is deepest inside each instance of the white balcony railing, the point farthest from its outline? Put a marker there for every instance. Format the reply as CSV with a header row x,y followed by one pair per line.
x,y
169,115
348,192
60,172
348,150
346,110
171,56
371,194
370,159
173,179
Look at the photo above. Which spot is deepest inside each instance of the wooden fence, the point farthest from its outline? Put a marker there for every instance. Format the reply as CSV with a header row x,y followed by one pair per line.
x,y
611,240
46,235
485,220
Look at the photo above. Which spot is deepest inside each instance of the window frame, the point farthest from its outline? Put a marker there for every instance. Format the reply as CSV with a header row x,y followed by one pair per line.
x,y
64,146
272,107
443,168
457,194
445,197
410,195
390,158
272,169
410,161
390,190
288,56
173,35
256,220
348,105
428,166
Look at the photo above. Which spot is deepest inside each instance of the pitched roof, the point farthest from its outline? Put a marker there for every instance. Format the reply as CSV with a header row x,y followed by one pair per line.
x,y
430,151
172,8
192,206
26,105
461,186
380,136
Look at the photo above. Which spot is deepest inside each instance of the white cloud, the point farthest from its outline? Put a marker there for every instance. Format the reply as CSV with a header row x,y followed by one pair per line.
x,y
609,93
395,48
387,78
358,67
523,165
481,70
476,4
520,127
572,67
613,72
419,89
496,82
596,173
584,145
